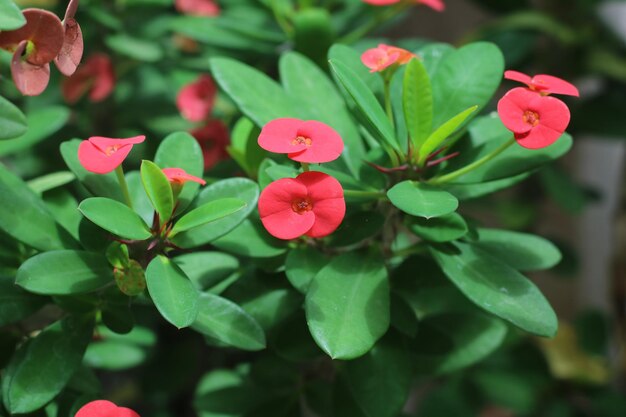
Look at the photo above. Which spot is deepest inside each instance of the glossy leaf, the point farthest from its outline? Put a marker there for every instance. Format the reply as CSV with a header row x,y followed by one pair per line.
x,y
417,99
37,374
172,292
350,57
225,321
24,216
15,303
11,18
497,288
244,147
240,188
12,120
440,229
50,181
115,217
522,251
466,77
251,239
158,189
42,123
421,200
209,271
301,266
114,355
65,272
347,305
380,380
436,139
101,185
208,213
377,122
181,150
136,48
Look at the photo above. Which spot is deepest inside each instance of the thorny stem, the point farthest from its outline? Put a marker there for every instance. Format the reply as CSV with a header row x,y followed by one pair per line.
x,y
119,171
466,169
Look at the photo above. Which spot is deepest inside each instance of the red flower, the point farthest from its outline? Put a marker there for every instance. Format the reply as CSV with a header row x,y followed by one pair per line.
x,y
198,7
95,76
72,50
103,408
195,101
536,120
213,139
303,141
544,84
102,155
437,5
180,176
311,204
379,58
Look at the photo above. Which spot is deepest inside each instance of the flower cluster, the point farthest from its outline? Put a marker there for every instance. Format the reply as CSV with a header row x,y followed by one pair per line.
x,y
43,39
536,119
437,5
311,204
384,56
195,103
103,408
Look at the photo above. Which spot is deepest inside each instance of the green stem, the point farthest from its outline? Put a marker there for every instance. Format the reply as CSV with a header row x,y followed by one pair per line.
x,y
280,18
305,166
388,107
379,19
124,187
462,171
378,195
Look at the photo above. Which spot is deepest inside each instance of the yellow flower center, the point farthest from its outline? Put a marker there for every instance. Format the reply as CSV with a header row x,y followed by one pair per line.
x,y
301,205
531,117
302,140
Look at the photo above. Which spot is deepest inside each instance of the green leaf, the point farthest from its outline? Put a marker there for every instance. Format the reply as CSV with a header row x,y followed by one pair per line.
x,y
207,213
244,147
101,185
305,82
136,48
421,200
50,181
240,188
466,77
114,355
522,251
251,239
115,217
356,227
42,123
301,266
347,305
376,120
380,381
25,217
440,229
11,18
181,150
141,202
258,96
12,120
486,134
351,58
62,205
432,56
172,292
475,190
225,321
15,303
417,99
209,271
41,368
497,288
158,189
442,133
313,33
449,342
65,272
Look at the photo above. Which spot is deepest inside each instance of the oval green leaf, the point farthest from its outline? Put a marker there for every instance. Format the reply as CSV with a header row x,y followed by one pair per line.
x,y
11,18
15,303
12,120
158,189
347,305
115,217
42,123
208,213
417,99
421,200
440,229
301,266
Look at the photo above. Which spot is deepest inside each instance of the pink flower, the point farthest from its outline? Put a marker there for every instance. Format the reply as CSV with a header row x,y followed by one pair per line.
x,y
33,45
544,84
437,5
180,176
72,50
95,77
379,58
536,120
195,101
198,7
311,204
102,155
213,138
103,408
303,141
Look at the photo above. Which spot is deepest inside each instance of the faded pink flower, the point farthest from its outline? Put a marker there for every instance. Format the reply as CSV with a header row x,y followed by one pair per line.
x,y
195,101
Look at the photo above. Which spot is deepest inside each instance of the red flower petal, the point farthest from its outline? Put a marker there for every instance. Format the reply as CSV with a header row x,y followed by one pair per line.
x,y
198,7
102,155
377,59
277,213
71,52
96,75
326,144
181,176
320,186
518,76
125,412
437,5
30,80
195,101
381,2
329,214
213,139
103,408
554,85
511,108
279,136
